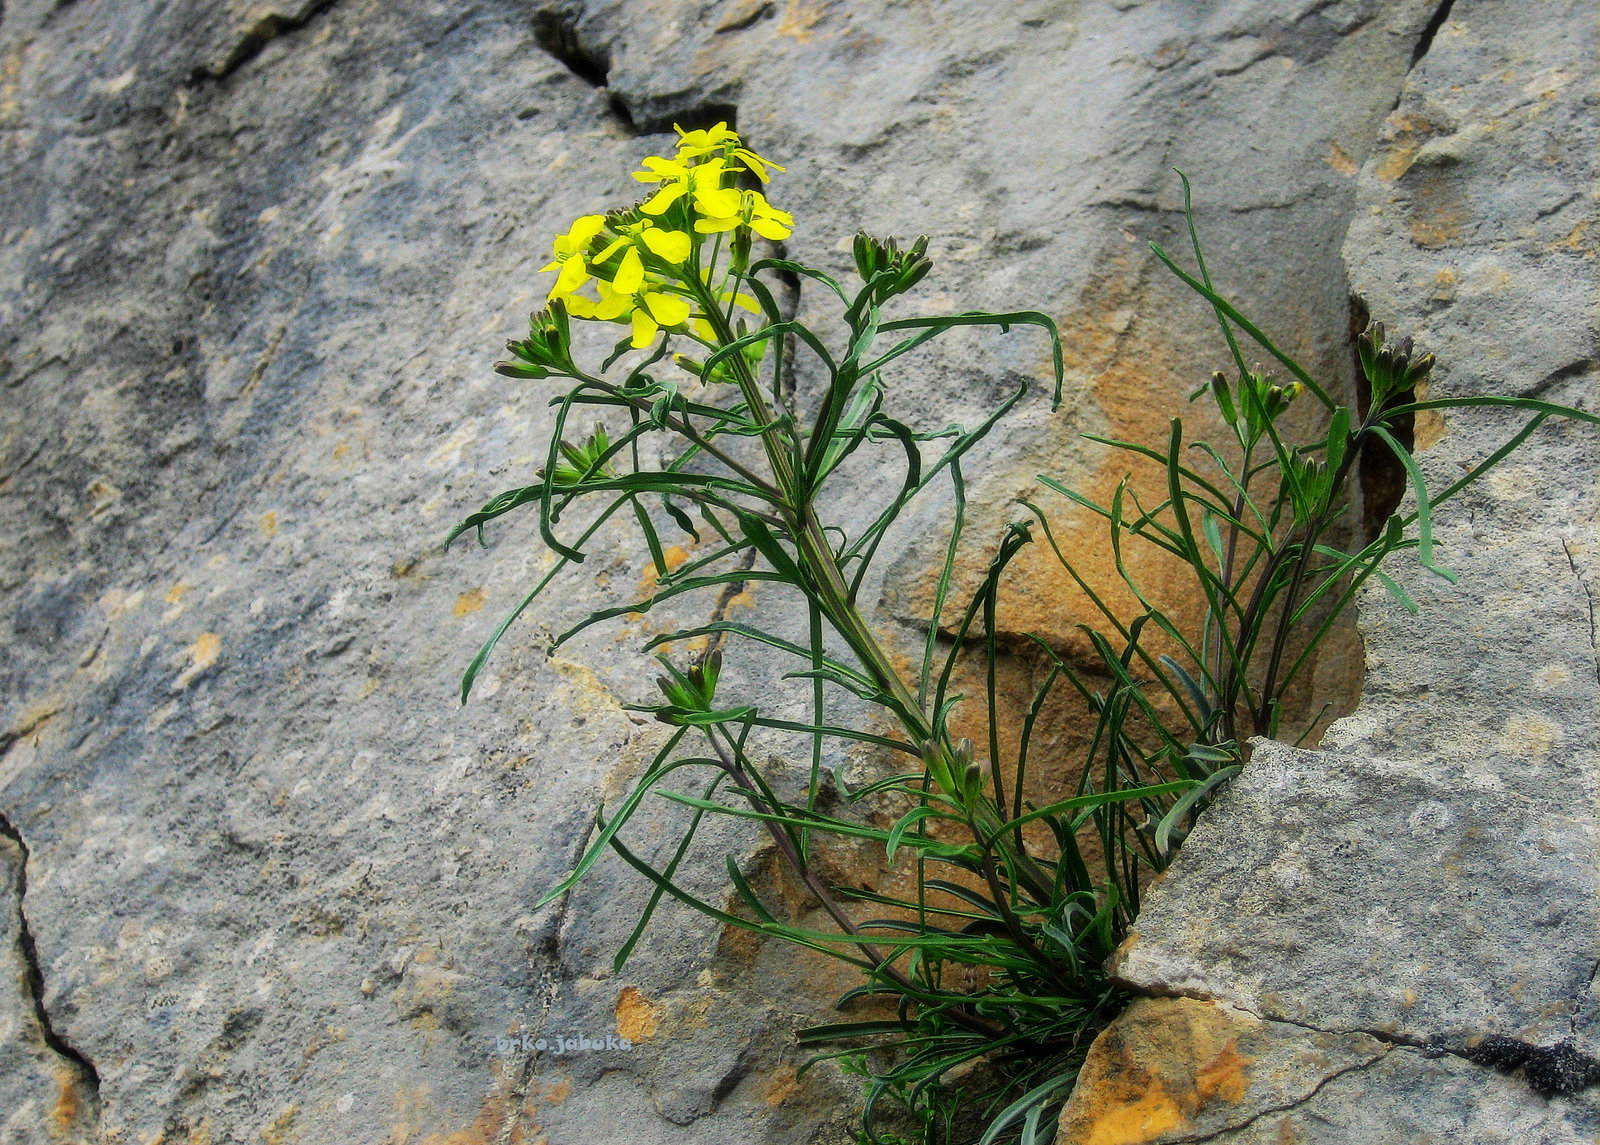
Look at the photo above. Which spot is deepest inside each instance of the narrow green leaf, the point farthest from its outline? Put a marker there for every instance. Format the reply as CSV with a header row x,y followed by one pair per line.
x,y
1187,800
1424,517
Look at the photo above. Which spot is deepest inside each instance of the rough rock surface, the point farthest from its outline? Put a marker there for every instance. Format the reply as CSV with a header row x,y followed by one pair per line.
x,y
255,260
1431,880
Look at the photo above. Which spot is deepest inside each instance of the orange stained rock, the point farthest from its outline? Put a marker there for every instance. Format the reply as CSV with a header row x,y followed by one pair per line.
x,y
1153,1070
674,555
1134,1122
637,1016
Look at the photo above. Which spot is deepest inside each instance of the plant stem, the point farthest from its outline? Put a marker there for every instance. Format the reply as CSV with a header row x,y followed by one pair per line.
x,y
802,871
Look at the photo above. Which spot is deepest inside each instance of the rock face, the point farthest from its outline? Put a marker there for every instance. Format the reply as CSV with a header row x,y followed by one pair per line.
x,y
255,260
1430,880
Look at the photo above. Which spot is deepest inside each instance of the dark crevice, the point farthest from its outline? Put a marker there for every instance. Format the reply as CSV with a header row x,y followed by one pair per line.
x,y
557,33
1425,41
695,117
87,1078
256,37
788,309
1554,378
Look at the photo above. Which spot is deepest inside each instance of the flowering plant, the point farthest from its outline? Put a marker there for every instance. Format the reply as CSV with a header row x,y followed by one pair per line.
x,y
999,952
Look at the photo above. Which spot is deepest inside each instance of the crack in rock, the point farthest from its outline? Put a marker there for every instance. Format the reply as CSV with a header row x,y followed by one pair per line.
x,y
1435,22
1557,1070
257,35
1195,1139
86,1077
557,31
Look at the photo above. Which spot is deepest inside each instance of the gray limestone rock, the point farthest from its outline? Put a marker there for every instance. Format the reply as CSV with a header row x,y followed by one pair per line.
x,y
1407,899
255,260
1406,1096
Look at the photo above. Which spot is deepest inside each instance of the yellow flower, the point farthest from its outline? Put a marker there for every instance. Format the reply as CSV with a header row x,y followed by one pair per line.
x,y
701,182
654,309
724,141
648,309
569,250
753,211
613,304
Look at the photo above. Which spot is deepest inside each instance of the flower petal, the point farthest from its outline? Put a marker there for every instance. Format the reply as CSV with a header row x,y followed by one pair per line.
x,y
574,273
769,228
667,309
585,228
644,329
673,246
630,275
662,199
717,201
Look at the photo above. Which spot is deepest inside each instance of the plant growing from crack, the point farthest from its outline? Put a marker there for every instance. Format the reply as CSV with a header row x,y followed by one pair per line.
x,y
998,953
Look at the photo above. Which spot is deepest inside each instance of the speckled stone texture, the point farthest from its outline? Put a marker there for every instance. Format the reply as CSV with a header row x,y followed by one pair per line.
x,y
1430,877
255,262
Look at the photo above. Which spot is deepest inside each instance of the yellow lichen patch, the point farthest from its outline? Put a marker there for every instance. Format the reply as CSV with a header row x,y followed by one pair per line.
x,y
1529,734
800,18
780,1086
175,593
495,1117
469,601
1551,676
68,1111
741,14
674,555
269,524
583,692
1428,425
1153,1070
1339,159
202,654
279,1132
1133,1123
637,1016
1223,1077
1439,208
556,1092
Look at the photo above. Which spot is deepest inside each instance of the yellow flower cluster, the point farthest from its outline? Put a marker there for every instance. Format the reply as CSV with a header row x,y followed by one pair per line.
x,y
646,263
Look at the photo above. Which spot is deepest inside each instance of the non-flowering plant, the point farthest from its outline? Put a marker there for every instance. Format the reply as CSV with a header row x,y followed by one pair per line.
x,y
998,953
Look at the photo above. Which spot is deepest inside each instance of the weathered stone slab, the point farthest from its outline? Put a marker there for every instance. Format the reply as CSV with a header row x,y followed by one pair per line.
x,y
1176,1069
1405,1097
1401,898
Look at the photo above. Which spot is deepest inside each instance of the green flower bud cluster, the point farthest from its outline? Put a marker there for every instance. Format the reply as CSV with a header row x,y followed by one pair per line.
x,y
546,351
954,771
690,694
583,460
1391,370
1260,398
886,269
